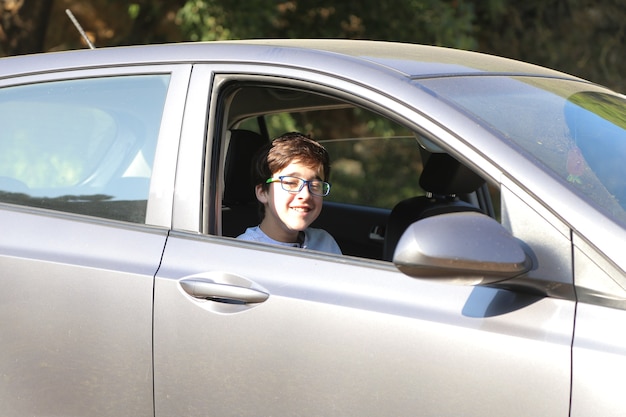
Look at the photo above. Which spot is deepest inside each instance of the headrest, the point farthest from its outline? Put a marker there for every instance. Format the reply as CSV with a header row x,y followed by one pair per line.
x,y
444,175
238,187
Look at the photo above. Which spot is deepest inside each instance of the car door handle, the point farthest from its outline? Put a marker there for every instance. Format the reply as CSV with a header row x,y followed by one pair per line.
x,y
222,293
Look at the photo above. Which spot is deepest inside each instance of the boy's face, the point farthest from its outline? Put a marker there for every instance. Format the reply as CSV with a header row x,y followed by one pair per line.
x,y
287,213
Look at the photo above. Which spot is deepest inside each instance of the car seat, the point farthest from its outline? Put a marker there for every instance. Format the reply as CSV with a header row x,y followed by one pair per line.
x,y
239,203
444,179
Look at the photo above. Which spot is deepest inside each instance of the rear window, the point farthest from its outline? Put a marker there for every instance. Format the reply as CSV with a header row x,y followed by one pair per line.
x,y
83,146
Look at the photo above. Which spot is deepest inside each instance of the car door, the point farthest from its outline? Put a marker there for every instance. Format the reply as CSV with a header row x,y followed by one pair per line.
x,y
598,349
82,236
247,329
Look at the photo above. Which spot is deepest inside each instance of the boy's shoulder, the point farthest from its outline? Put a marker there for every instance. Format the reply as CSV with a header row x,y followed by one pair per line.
x,y
254,234
320,239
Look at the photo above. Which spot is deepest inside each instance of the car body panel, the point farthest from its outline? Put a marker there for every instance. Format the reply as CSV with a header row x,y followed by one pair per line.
x,y
598,355
357,337
599,344
76,307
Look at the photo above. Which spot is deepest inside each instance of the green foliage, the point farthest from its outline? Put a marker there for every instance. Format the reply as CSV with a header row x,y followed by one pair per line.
x,y
580,37
203,20
133,10
435,22
376,172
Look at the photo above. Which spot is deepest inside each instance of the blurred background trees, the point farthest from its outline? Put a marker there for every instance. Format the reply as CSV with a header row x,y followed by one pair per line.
x,y
581,37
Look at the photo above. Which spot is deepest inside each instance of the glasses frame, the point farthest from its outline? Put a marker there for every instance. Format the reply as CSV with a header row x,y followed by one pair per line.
x,y
303,182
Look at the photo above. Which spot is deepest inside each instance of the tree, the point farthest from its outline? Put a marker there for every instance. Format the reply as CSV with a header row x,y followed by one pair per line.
x,y
435,22
23,25
29,26
580,37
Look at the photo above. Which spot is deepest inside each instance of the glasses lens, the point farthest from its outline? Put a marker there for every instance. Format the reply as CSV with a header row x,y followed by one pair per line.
x,y
318,187
291,184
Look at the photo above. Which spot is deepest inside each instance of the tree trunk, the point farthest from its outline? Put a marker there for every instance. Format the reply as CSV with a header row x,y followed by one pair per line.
x,y
23,25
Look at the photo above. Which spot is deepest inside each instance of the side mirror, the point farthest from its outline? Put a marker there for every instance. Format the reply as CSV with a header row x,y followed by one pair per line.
x,y
463,248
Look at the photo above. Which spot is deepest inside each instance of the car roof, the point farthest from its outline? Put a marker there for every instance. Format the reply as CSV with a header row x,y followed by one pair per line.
x,y
414,60
401,59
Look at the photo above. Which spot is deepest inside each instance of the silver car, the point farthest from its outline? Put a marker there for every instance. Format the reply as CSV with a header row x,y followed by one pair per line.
x,y
480,204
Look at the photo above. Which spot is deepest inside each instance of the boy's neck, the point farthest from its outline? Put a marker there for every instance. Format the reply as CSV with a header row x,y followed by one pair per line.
x,y
281,235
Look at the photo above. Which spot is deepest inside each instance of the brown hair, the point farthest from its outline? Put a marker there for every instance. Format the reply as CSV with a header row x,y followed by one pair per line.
x,y
288,148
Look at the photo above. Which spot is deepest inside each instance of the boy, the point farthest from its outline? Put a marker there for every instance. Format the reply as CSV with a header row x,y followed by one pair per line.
x,y
291,174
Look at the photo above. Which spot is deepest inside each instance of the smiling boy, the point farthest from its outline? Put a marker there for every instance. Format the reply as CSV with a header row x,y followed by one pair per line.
x,y
291,175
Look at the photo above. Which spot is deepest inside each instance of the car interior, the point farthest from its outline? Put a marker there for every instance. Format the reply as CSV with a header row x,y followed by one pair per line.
x,y
365,214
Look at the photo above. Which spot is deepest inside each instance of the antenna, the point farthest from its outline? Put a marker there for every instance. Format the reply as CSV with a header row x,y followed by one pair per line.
x,y
79,28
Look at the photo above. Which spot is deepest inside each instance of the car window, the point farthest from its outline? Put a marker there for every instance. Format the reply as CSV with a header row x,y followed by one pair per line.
x,y
376,166
576,130
81,146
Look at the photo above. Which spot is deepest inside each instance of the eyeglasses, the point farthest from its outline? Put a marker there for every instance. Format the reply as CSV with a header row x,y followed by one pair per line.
x,y
294,185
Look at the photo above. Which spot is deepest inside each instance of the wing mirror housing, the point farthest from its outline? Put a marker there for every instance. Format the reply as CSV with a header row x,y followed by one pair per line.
x,y
462,248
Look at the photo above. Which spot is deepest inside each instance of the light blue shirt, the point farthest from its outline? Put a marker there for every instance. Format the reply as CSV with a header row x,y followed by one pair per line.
x,y
314,239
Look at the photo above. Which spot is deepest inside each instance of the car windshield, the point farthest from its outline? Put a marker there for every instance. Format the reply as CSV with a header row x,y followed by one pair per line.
x,y
576,129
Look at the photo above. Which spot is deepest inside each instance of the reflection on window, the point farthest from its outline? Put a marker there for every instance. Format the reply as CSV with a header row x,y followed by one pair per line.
x,y
575,129
48,146
83,146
